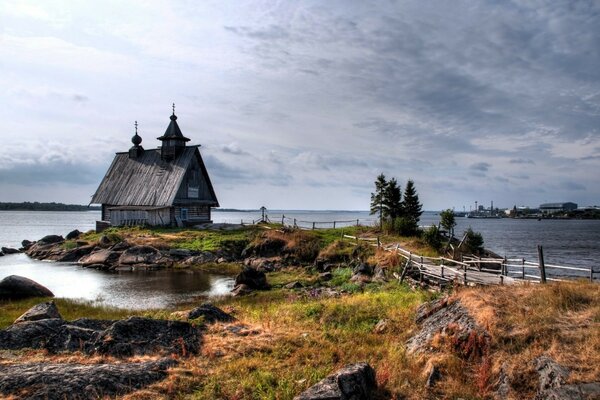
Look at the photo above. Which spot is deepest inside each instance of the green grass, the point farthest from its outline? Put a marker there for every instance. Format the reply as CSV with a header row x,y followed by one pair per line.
x,y
69,310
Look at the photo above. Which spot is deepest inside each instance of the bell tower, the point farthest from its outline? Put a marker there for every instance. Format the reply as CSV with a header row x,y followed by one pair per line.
x,y
173,141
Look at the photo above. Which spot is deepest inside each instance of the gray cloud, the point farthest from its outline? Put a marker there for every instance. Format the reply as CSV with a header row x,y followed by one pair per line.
x,y
480,166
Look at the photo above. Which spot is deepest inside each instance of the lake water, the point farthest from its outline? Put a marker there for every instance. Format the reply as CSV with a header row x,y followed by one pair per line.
x,y
566,242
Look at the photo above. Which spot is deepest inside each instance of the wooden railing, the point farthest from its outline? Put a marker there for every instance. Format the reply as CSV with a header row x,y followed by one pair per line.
x,y
476,270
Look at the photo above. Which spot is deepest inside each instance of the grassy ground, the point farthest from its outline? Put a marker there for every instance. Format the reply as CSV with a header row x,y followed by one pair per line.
x,y
288,340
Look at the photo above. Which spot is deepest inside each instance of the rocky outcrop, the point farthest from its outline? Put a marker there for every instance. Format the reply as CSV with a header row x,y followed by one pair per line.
x,y
552,378
266,247
40,311
124,338
54,381
75,254
50,239
353,382
455,325
18,287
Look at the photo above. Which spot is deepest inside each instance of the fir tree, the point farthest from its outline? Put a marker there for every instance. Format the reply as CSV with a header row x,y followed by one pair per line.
x,y
393,200
411,205
378,199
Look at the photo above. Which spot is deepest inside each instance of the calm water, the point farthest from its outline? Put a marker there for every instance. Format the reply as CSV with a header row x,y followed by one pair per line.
x,y
566,242
128,289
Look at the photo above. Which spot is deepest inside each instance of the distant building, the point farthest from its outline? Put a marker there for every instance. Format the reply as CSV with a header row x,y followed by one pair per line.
x,y
167,186
557,207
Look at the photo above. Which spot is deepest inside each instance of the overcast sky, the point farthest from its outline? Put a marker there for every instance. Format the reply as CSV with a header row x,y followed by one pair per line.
x,y
301,104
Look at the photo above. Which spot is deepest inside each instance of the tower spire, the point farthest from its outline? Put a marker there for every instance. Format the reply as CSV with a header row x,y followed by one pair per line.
x,y
136,150
173,108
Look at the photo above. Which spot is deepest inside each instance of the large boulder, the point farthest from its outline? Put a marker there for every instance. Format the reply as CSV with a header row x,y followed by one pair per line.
x,y
140,336
253,279
74,234
59,381
40,311
50,239
124,338
353,382
18,287
26,244
103,256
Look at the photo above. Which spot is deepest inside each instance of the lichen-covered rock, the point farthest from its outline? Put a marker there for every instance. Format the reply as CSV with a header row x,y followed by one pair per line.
x,y
353,382
144,257
452,321
60,381
40,311
50,239
18,287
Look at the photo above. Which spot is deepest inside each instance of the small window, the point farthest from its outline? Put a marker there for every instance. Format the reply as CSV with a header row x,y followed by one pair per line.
x,y
184,214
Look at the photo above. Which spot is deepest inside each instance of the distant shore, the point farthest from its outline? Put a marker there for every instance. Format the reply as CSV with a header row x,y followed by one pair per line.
x,y
36,206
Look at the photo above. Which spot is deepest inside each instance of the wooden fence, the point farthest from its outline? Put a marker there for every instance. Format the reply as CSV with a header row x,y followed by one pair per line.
x,y
475,270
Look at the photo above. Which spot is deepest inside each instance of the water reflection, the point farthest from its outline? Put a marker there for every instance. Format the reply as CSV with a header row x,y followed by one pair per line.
x,y
127,289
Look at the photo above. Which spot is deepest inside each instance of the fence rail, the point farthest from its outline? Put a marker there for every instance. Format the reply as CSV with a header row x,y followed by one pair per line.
x,y
475,270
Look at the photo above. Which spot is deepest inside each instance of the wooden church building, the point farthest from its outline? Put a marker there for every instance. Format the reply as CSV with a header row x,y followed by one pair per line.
x,y
167,186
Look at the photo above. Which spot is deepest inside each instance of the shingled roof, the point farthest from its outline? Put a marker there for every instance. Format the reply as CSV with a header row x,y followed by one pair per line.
x,y
147,180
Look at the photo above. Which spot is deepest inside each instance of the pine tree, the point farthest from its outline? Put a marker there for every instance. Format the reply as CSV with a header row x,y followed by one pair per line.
x,y
393,200
411,205
378,199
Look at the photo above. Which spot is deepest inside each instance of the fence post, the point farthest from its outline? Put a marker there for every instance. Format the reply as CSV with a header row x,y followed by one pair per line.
x,y
357,222
282,219
295,225
523,267
591,273
442,267
379,243
501,279
342,236
542,266
333,224
313,228
505,266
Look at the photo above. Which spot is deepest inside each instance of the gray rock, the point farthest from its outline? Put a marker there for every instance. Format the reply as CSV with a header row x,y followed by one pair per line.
x,y
294,285
468,338
74,234
551,374
104,241
75,254
353,382
40,311
50,239
241,290
10,250
124,338
252,278
325,276
121,246
48,381
210,314
578,391
140,255
180,253
26,244
434,376
18,287
140,336
103,256
1,254
363,269
202,258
